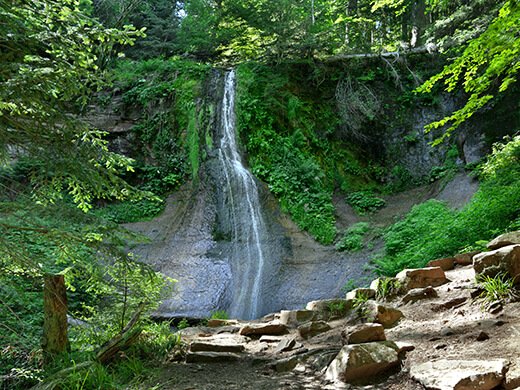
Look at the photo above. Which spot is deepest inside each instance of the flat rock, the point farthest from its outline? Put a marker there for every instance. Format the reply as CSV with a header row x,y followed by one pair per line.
x,y
211,357
313,328
361,293
296,317
285,344
361,362
213,346
383,314
505,239
505,259
270,339
215,323
417,294
447,263
270,328
364,333
460,374
421,277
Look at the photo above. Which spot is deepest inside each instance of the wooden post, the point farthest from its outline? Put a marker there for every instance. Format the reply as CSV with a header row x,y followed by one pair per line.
x,y
55,340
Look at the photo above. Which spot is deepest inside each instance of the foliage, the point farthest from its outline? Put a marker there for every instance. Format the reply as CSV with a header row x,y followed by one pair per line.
x,y
51,61
352,240
360,305
219,315
431,230
167,136
337,308
487,66
387,287
183,324
365,202
498,288
124,212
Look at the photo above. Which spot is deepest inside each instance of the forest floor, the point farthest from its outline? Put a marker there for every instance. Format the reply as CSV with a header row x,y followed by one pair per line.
x,y
450,326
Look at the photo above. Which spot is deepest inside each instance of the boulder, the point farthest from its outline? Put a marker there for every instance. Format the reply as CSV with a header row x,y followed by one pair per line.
x,y
506,239
270,328
313,328
211,357
513,377
361,293
364,333
447,263
296,317
460,374
361,362
421,277
417,294
382,314
505,259
213,346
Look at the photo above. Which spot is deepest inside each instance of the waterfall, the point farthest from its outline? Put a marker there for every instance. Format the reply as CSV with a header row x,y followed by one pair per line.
x,y
243,217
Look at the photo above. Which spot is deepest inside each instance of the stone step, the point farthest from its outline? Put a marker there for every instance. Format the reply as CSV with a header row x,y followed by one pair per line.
x,y
208,346
211,357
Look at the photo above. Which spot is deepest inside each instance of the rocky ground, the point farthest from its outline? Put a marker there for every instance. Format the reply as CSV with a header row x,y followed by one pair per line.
x,y
439,334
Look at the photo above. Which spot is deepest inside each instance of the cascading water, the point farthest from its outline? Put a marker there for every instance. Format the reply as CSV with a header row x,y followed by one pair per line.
x,y
242,214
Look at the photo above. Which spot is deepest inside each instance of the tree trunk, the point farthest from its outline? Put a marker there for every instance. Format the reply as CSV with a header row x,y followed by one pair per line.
x,y
55,340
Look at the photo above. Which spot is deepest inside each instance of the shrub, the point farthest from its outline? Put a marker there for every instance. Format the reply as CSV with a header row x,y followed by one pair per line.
x,y
496,288
219,315
365,202
353,237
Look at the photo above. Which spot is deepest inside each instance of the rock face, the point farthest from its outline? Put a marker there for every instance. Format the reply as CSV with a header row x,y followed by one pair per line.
x,y
505,239
460,374
362,361
421,277
505,259
364,333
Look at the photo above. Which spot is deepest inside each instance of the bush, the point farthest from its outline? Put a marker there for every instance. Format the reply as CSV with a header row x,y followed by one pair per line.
x,y
353,238
365,202
125,212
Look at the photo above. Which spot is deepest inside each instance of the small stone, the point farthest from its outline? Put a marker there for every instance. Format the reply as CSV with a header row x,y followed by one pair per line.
x,y
271,328
482,336
385,315
296,317
446,264
285,345
364,333
417,294
421,277
464,259
270,339
313,328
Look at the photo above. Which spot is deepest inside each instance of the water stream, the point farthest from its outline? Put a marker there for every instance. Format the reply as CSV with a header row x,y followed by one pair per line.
x,y
243,214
